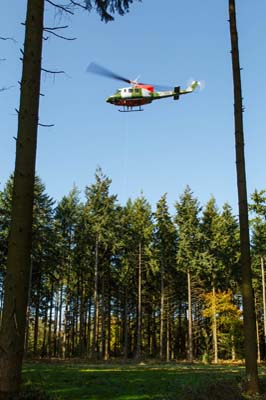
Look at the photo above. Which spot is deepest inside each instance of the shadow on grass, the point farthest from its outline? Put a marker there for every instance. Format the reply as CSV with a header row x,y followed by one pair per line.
x,y
112,382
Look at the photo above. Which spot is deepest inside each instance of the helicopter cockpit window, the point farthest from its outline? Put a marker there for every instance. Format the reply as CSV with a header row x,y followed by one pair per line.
x,y
118,91
137,90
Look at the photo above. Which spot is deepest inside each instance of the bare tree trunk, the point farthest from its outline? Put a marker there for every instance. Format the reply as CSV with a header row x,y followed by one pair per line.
x,y
162,315
50,323
139,322
82,327
125,325
263,299
247,292
168,347
96,302
190,328
55,333
20,240
36,318
258,341
214,327
27,329
60,340
233,347
44,339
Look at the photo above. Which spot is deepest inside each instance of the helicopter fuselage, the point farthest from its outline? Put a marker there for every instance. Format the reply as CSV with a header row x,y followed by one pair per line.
x,y
140,94
132,96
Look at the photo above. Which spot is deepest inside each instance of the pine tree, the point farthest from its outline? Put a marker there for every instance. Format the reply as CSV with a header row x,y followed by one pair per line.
x,y
67,216
165,247
142,235
20,241
188,253
220,255
258,223
101,213
247,290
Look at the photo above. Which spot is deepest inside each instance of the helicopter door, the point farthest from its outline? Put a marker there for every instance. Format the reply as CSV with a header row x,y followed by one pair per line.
x,y
126,93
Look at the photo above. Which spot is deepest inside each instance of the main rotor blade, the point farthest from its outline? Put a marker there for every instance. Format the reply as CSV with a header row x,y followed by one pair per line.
x,y
99,70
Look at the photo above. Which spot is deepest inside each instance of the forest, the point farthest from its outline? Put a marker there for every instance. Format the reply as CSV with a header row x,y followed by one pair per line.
x,y
87,283
128,282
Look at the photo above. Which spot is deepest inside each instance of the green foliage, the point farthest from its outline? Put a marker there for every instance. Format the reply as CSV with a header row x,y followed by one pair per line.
x,y
228,318
106,8
188,223
220,247
66,238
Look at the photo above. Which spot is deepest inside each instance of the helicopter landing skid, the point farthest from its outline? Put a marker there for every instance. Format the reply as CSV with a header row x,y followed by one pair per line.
x,y
130,109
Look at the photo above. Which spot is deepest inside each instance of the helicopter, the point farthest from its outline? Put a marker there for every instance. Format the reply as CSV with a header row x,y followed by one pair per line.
x,y
138,94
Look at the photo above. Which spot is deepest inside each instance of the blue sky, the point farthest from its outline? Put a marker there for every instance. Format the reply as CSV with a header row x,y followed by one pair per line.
x,y
172,143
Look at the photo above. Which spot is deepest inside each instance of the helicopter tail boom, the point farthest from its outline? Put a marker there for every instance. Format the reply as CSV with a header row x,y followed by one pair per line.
x,y
191,87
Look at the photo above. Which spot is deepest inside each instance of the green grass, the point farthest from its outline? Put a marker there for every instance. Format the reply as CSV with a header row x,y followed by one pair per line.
x,y
71,381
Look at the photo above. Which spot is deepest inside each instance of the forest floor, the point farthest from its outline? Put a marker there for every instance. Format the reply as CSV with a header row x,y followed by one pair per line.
x,y
112,381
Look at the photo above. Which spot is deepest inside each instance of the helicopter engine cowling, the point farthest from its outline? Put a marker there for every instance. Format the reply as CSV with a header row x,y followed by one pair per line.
x,y
176,92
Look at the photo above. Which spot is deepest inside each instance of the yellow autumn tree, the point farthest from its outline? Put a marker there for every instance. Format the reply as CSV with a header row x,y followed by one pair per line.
x,y
225,321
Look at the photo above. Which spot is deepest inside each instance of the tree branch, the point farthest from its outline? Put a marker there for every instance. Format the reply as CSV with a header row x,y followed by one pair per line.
x,y
78,5
52,72
3,89
55,28
46,125
63,8
56,34
8,38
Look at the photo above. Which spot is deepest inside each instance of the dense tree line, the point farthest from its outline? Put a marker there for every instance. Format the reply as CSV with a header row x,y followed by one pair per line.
x,y
112,281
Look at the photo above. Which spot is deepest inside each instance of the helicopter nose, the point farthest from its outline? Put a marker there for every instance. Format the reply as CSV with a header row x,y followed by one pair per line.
x,y
109,99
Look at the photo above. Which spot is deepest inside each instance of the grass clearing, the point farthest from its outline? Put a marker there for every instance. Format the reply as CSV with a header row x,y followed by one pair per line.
x,y
74,381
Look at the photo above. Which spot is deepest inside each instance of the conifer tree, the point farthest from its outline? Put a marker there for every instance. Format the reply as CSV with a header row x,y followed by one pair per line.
x,y
258,224
220,248
100,208
67,215
142,234
188,253
211,262
249,316
166,248
20,241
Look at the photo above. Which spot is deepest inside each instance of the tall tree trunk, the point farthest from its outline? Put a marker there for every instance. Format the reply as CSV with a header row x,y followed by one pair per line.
x,y
139,321
252,385
12,332
103,312
36,318
233,347
96,301
82,326
26,344
88,335
258,341
51,308
168,323
264,300
60,340
214,327
108,319
125,325
44,339
162,315
55,333
190,328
